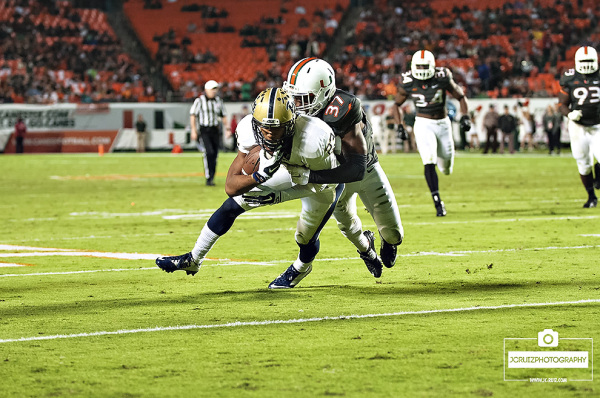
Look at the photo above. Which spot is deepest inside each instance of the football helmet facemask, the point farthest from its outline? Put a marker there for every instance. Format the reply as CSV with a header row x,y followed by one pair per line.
x,y
586,60
422,65
311,81
275,111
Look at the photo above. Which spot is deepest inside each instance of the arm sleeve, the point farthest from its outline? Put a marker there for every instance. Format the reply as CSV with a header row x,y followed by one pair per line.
x,y
352,170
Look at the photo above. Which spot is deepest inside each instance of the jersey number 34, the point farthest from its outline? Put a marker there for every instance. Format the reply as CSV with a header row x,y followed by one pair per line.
x,y
420,99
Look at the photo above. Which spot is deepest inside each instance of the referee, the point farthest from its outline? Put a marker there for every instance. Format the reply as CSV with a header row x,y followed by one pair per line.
x,y
206,112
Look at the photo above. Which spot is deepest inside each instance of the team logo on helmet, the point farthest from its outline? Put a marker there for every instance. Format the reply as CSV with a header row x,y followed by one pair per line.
x,y
272,109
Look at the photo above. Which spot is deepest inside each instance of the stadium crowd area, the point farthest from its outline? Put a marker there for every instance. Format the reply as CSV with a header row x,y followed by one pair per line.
x,y
52,51
495,49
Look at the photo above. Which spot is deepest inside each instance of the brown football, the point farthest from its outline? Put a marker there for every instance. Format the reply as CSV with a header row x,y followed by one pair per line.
x,y
252,160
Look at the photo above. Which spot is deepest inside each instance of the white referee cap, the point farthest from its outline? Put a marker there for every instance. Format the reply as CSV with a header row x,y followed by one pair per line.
x,y
211,84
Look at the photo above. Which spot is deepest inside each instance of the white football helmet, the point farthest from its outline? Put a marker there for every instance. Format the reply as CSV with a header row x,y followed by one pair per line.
x,y
422,65
586,60
311,81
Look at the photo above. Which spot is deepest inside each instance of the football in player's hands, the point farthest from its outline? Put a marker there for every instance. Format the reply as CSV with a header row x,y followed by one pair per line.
x,y
251,161
465,123
402,132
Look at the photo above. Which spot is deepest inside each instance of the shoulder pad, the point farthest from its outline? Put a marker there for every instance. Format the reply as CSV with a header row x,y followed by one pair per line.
x,y
448,73
342,112
443,75
407,80
567,77
245,134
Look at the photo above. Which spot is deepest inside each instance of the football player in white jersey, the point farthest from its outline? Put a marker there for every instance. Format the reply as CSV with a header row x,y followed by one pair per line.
x,y
287,139
579,100
426,85
312,83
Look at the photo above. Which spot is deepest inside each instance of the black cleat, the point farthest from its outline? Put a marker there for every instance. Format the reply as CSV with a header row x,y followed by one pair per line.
x,y
370,257
592,202
388,253
289,278
185,262
441,209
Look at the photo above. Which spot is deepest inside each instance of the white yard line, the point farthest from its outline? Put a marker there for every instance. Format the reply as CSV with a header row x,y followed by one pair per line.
x,y
293,321
226,262
41,249
81,272
6,265
120,256
100,237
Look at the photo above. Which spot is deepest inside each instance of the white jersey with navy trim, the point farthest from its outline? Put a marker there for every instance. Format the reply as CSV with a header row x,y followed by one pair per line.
x,y
312,145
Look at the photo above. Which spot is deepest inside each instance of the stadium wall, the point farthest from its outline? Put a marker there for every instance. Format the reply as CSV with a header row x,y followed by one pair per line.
x,y
82,127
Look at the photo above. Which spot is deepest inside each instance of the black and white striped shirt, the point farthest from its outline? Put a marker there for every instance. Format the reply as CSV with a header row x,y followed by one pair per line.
x,y
208,111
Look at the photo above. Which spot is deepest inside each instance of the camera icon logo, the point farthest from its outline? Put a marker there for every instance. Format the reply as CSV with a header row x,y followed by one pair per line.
x,y
548,338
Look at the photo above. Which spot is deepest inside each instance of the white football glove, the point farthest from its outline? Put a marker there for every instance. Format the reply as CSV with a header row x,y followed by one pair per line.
x,y
299,174
575,115
269,164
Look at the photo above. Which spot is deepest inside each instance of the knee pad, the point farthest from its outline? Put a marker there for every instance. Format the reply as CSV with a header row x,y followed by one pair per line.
x,y
584,166
392,236
224,217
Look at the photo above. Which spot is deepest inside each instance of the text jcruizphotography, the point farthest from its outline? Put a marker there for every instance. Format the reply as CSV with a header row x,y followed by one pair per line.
x,y
526,359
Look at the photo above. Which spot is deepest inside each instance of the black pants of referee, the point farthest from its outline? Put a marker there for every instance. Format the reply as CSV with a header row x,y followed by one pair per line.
x,y
211,138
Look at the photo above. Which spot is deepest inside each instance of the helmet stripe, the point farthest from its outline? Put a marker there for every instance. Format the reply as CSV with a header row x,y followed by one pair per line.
x,y
585,50
272,95
298,67
422,54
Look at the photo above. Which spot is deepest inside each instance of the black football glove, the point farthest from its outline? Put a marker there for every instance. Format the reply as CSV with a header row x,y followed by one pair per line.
x,y
402,132
465,123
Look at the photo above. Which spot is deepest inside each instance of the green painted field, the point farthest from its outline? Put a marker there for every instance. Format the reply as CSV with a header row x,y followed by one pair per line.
x,y
81,319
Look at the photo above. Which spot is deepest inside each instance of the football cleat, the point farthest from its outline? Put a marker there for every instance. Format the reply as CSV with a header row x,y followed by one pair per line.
x,y
441,209
290,278
592,202
370,257
185,262
388,253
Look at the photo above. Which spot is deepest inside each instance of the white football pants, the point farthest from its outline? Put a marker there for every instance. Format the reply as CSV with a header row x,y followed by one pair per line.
x,y
585,145
376,193
317,201
435,143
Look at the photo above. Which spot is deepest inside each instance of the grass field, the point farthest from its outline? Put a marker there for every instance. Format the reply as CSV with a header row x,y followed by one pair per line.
x,y
91,322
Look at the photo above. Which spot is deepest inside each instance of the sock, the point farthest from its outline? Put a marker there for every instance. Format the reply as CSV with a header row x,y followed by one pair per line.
x,y
432,181
363,245
597,171
306,256
217,225
205,242
588,183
